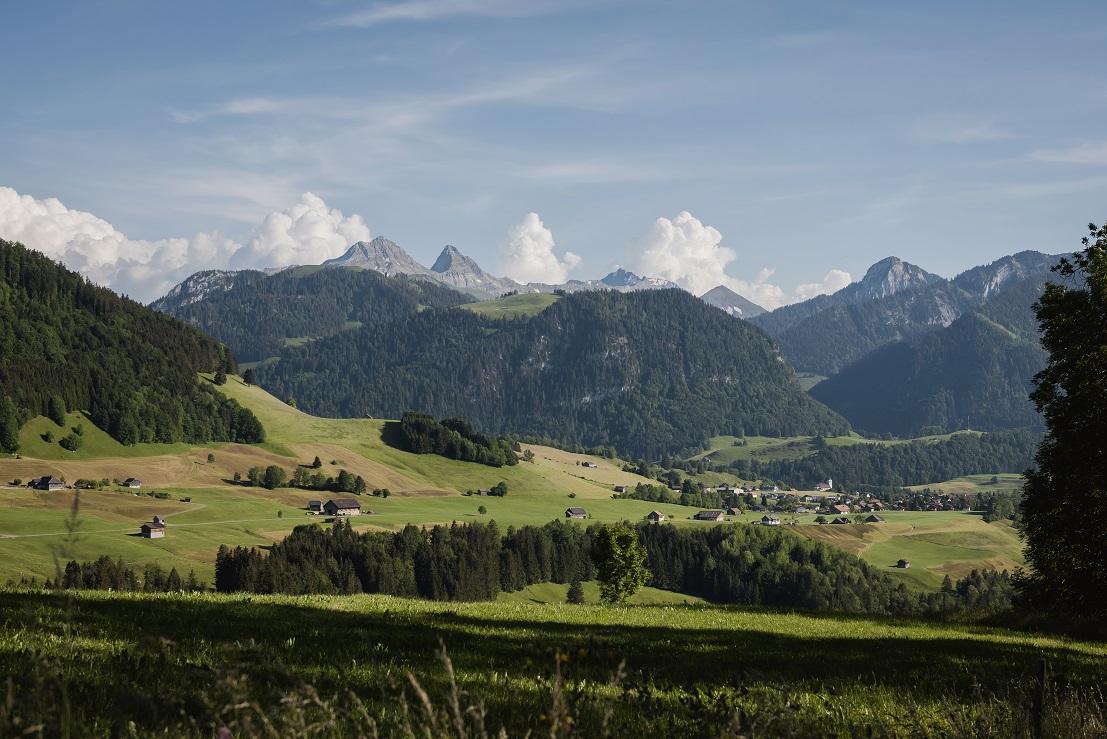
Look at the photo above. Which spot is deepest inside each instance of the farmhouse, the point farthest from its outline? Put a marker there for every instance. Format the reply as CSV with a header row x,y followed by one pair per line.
x,y
315,505
874,519
655,516
342,507
822,487
770,521
575,512
708,516
49,482
733,511
132,482
840,508
904,564
592,465
841,519
620,488
153,529
769,488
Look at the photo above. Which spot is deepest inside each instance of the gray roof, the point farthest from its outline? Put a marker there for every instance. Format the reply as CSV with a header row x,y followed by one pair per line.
x,y
344,503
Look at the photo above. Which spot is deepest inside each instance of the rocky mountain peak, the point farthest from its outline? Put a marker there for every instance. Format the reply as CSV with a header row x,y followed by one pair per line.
x,y
892,275
380,255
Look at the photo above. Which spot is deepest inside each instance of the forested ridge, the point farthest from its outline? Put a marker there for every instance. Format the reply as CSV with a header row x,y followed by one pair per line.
x,y
66,344
649,372
748,565
910,463
976,373
257,314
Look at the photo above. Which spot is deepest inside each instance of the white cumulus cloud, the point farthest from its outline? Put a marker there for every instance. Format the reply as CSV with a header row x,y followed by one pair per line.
x,y
306,233
528,253
690,253
834,281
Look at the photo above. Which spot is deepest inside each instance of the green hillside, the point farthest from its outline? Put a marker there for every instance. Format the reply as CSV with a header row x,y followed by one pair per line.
x,y
68,345
651,372
258,315
977,372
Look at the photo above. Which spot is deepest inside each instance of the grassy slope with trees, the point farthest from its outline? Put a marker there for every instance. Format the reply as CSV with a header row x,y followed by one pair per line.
x,y
426,488
66,344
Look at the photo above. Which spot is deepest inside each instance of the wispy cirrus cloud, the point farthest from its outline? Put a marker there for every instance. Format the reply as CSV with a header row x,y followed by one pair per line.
x,y
592,172
1086,152
432,10
959,130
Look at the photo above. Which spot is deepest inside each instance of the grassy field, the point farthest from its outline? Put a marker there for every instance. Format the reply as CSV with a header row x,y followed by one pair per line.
x,y
522,305
556,593
971,484
937,543
729,449
426,489
183,665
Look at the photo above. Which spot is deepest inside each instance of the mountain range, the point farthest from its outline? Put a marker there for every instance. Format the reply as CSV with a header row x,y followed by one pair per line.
x,y
904,350
894,301
452,268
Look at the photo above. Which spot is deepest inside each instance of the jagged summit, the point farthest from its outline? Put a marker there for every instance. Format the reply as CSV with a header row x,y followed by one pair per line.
x,y
380,255
892,275
462,272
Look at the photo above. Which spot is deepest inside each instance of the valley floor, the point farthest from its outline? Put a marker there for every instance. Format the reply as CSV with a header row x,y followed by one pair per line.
x,y
425,489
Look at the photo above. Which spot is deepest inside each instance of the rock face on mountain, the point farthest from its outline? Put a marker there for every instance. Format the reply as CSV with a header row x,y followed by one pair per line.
x,y
988,279
380,255
463,273
200,286
895,301
888,277
726,299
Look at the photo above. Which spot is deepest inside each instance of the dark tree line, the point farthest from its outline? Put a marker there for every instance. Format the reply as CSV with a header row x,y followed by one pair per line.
x,y
257,314
66,344
649,373
108,574
452,437
749,565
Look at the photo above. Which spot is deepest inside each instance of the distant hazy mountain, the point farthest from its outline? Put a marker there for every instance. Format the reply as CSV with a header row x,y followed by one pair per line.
x,y
894,301
975,373
733,303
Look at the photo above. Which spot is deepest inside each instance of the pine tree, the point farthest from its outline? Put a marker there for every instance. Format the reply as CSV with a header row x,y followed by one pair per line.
x,y
576,593
220,377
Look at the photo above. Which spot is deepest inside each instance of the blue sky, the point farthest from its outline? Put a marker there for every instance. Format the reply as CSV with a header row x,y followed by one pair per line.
x,y
799,139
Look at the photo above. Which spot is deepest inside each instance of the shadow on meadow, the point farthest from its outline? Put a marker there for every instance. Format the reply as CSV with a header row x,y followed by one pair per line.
x,y
152,660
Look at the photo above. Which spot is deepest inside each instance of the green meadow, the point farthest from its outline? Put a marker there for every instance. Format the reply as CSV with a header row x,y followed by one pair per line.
x,y
102,664
726,450
522,305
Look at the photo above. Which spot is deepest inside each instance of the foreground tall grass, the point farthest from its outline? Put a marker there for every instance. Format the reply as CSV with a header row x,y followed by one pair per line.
x,y
94,664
